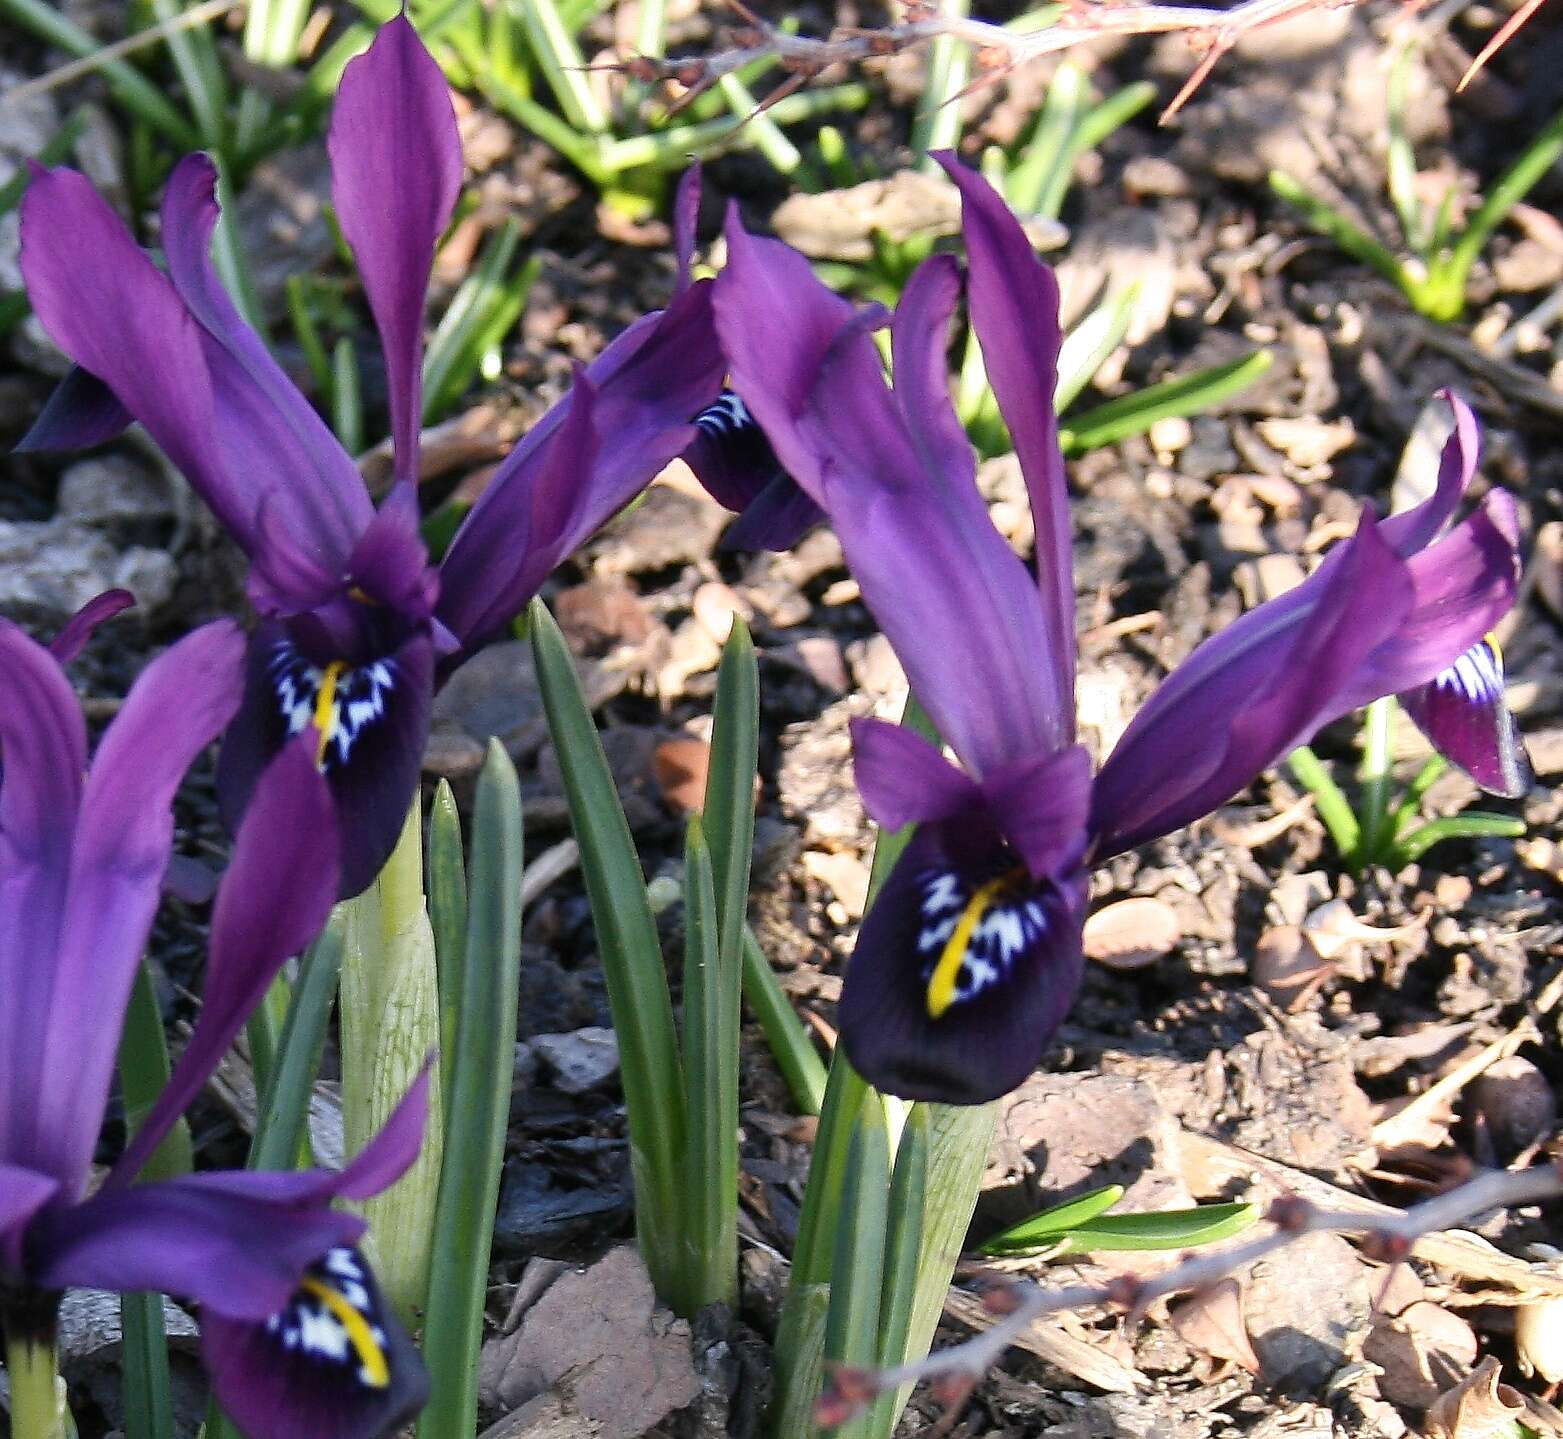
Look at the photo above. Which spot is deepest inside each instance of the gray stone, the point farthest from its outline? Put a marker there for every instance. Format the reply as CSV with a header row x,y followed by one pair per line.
x,y
581,1060
50,569
113,493
1307,1308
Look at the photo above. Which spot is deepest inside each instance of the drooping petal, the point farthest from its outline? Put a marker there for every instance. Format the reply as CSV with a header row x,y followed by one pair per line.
x,y
43,752
574,471
952,597
395,175
82,412
920,344
23,1192
370,746
903,779
1462,712
964,968
1250,694
72,639
268,909
1013,300
279,450
123,839
235,1241
333,1363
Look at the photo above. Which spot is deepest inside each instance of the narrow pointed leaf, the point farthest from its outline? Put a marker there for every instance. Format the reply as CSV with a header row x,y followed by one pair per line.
x,y
630,953
1171,1229
448,916
789,1041
903,1255
1043,1229
480,1105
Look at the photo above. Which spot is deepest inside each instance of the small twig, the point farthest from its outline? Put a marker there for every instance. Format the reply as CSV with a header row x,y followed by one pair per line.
x,y
996,50
1390,1237
186,20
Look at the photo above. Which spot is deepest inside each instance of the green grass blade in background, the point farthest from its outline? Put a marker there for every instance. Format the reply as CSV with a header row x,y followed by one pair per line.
x,y
1136,413
447,881
711,1075
728,813
1086,347
480,1105
282,1124
785,1033
630,953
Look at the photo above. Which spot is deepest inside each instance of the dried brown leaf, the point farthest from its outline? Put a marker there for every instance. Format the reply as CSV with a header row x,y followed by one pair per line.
x,y
1480,1406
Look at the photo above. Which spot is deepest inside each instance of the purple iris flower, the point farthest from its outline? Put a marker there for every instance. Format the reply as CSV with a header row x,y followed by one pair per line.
x,y
970,958
355,628
294,1332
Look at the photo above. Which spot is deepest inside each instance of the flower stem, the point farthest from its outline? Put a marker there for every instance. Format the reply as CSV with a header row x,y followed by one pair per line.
x,y
1334,808
37,1398
1375,777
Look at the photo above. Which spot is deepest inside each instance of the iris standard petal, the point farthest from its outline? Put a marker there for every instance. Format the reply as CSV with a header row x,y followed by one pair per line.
x,y
73,637
920,347
904,779
952,597
395,175
1462,713
82,412
1253,692
1417,527
266,911
333,1363
1013,300
964,968
1041,806
371,720
120,850
43,751
279,452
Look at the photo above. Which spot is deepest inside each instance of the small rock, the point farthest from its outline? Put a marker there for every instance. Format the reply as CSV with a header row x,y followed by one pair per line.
x,y
715,605
1307,1307
1169,435
536,1215
876,669
50,569
1131,933
1209,452
1305,441
1516,1104
681,766
1422,1352
843,874
1287,968
1155,176
667,528
817,656
580,1060
597,1341
1528,265
600,614
113,493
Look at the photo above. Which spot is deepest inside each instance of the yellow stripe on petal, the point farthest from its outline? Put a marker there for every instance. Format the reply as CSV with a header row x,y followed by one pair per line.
x,y
326,710
376,1369
947,973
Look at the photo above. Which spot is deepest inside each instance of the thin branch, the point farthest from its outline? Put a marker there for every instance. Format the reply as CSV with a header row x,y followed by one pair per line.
x,y
996,50
1388,1237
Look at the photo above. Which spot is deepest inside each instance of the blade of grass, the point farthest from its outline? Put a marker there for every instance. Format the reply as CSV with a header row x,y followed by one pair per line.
x,y
1471,825
1031,177
1330,222
711,1093
764,133
448,915
937,124
1334,808
1416,792
307,333
1136,413
730,782
858,1261
789,1041
195,58
630,953
1086,347
143,1073
282,1122
347,401
563,66
903,1253
130,87
480,1105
